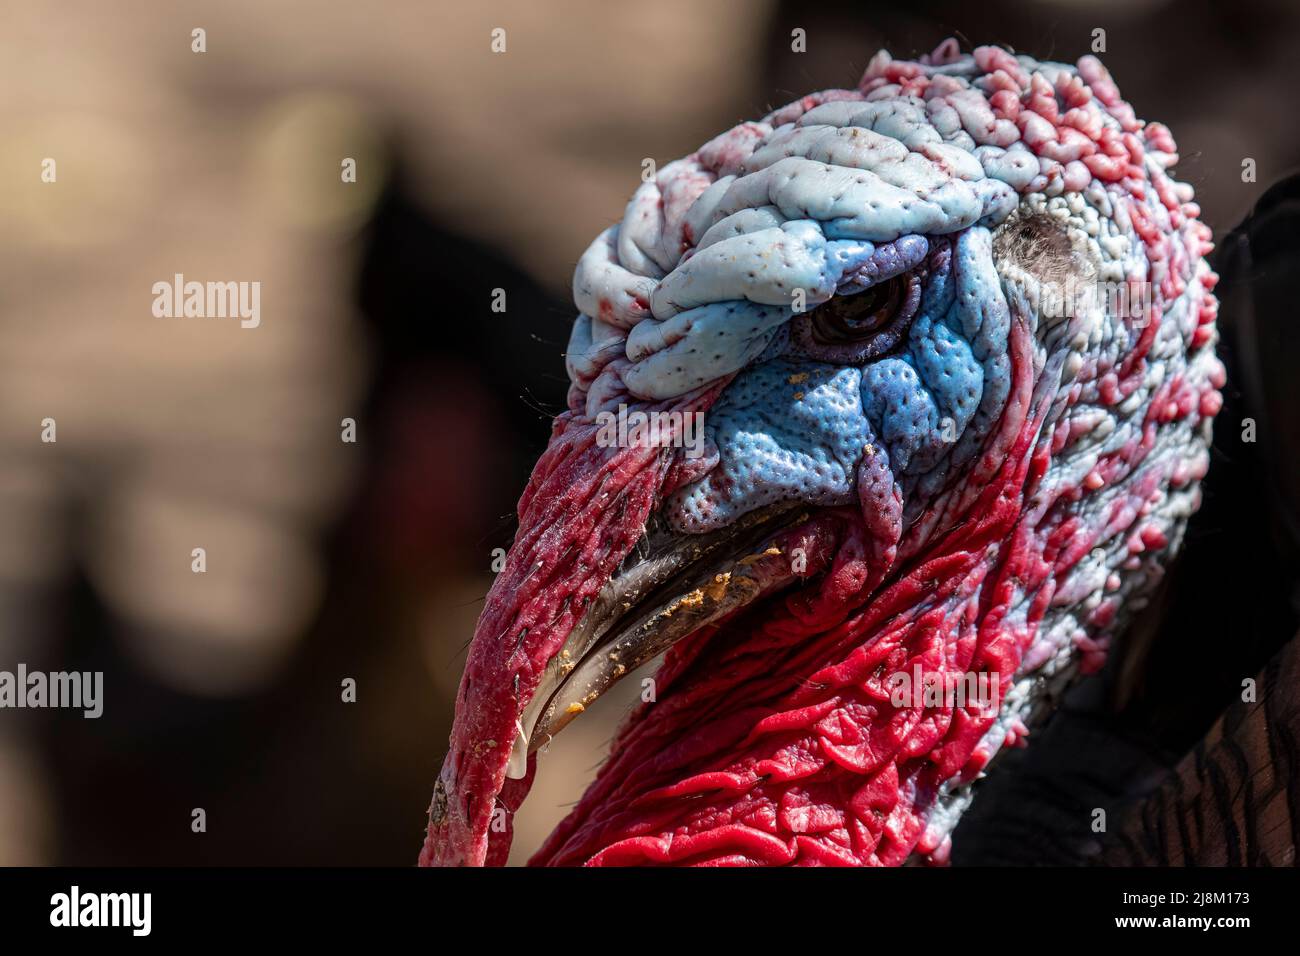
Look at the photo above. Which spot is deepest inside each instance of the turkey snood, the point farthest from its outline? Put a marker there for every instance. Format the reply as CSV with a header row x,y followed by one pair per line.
x,y
951,337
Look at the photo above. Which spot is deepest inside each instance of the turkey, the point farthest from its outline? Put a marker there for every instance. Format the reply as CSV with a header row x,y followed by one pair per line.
x,y
887,412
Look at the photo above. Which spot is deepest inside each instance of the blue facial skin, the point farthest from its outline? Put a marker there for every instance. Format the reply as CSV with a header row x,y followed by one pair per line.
x,y
790,428
785,430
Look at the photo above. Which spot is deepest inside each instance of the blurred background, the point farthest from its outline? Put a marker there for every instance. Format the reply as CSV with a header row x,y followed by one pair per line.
x,y
329,560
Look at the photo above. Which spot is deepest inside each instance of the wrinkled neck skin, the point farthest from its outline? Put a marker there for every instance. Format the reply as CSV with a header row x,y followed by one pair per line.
x,y
1011,548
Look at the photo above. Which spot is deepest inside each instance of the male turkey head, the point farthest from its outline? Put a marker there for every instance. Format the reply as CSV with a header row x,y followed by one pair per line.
x,y
950,335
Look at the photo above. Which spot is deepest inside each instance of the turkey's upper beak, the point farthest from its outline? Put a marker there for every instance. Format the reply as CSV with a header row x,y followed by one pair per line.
x,y
669,587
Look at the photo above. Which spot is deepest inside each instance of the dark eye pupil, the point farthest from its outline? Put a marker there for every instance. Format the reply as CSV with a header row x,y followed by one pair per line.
x,y
849,318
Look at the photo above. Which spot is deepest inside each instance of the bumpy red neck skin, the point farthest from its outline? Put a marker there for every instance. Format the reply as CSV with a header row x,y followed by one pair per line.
x,y
776,735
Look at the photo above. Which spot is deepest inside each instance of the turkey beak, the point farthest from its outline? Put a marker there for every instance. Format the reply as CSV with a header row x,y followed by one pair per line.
x,y
670,587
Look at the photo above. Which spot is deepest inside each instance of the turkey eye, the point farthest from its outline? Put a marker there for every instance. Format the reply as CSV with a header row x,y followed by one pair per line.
x,y
852,328
851,318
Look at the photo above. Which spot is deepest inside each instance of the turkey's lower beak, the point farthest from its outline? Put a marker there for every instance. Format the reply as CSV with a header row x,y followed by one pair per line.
x,y
669,587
